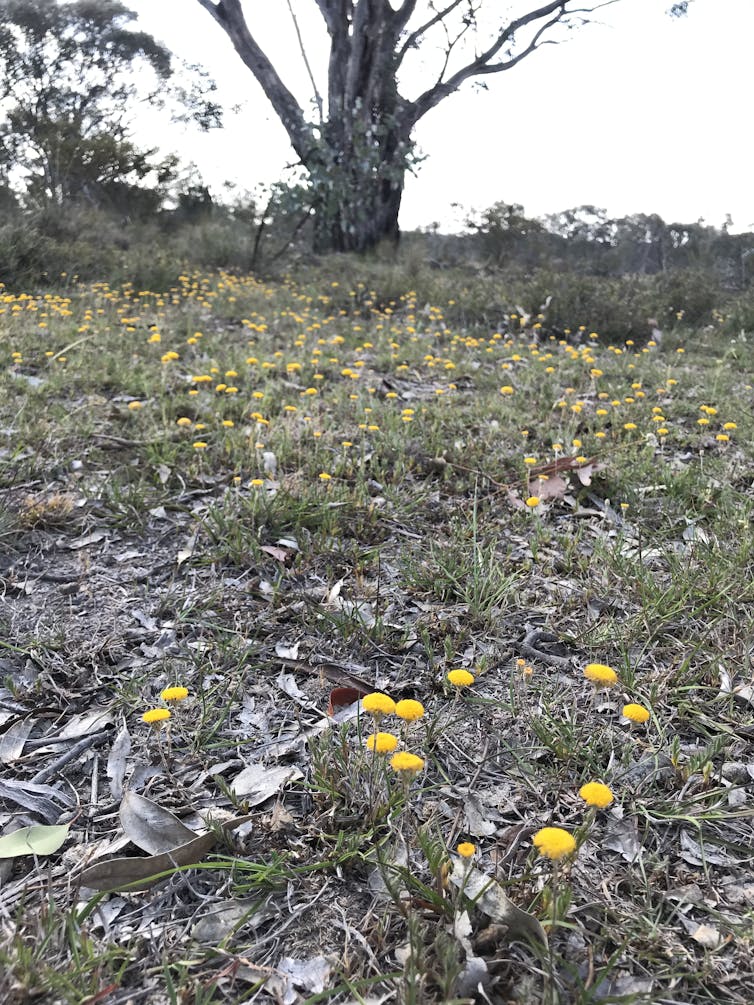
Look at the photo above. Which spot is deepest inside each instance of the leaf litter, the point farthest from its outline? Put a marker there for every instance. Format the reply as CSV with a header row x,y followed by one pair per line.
x,y
273,639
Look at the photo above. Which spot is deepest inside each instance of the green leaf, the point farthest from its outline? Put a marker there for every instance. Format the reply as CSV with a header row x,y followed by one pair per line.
x,y
38,840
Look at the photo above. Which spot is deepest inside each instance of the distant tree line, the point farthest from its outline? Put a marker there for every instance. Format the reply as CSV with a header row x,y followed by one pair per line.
x,y
586,240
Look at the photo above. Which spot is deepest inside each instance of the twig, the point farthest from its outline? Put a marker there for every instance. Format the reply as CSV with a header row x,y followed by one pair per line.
x,y
69,755
528,648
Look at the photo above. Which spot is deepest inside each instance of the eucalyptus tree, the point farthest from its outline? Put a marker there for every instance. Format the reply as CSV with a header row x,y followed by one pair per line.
x,y
358,145
74,79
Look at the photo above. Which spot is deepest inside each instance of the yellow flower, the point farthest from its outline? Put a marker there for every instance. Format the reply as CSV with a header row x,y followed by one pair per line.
x,y
554,842
530,460
409,710
460,678
598,673
406,762
378,704
466,849
382,743
256,483
506,389
636,713
596,794
324,477
629,426
136,405
721,437
729,425
183,421
174,694
199,445
156,715
532,501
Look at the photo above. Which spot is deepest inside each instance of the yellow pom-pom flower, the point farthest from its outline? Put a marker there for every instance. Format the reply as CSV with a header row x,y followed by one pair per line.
x,y
460,678
554,843
409,710
382,743
636,713
596,794
466,849
532,501
156,715
599,673
174,694
406,763
378,704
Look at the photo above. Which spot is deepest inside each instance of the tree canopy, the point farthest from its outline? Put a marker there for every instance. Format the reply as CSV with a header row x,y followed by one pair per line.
x,y
73,77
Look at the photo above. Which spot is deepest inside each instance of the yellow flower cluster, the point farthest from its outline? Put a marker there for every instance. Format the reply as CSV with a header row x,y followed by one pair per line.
x,y
377,704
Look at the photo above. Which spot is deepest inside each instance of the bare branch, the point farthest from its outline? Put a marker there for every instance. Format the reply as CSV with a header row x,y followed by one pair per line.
x,y
415,36
307,64
229,16
483,63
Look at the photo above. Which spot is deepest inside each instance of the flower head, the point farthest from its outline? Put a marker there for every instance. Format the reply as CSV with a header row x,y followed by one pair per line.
x,y
636,713
174,694
598,673
554,842
532,501
382,743
596,794
466,849
460,678
406,762
378,704
156,715
409,710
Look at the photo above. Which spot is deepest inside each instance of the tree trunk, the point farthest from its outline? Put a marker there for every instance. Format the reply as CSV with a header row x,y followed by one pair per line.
x,y
357,216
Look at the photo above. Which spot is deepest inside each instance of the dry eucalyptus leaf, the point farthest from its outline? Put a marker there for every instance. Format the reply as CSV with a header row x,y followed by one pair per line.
x,y
490,898
13,739
258,782
223,918
117,760
142,872
150,827
707,936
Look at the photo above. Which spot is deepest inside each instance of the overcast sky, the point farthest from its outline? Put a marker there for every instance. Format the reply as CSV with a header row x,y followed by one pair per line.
x,y
638,113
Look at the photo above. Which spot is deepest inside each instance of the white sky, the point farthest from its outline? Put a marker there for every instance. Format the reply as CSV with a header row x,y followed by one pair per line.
x,y
639,113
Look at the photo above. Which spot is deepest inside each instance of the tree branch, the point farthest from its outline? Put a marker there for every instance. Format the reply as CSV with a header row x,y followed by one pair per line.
x,y
416,35
482,64
307,64
229,16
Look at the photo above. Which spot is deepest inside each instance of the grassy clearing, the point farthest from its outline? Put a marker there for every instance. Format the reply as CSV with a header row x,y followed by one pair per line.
x,y
269,492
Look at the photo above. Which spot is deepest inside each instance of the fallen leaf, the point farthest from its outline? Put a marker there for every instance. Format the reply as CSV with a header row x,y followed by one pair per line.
x,y
82,542
695,853
342,697
287,652
142,871
37,840
218,923
44,801
117,760
279,554
150,827
309,975
13,739
258,782
490,898
548,487
707,936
